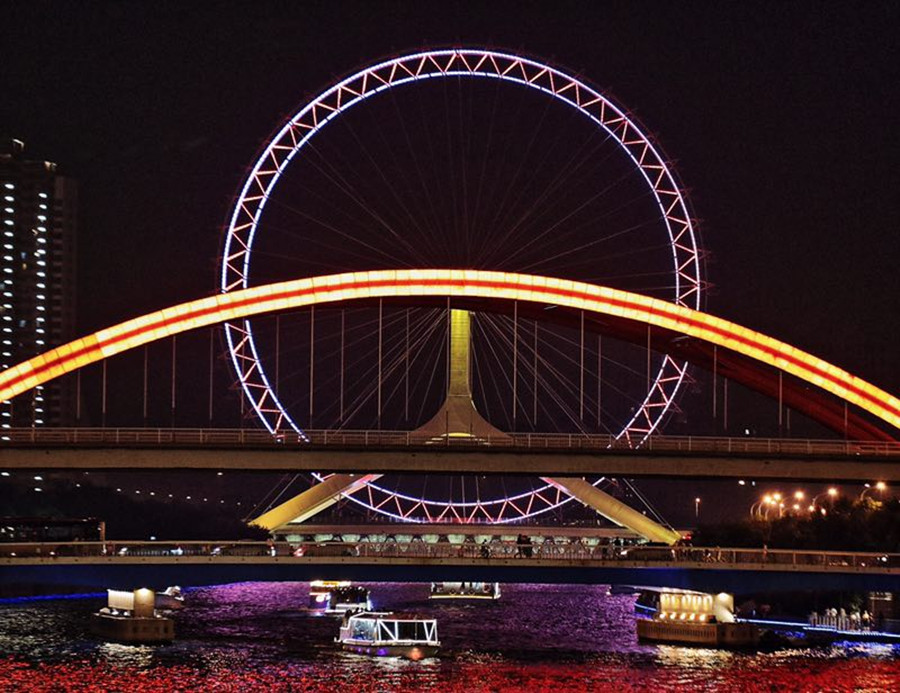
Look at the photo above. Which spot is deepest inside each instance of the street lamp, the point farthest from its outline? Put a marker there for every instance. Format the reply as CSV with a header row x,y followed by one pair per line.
x,y
756,510
832,493
697,508
879,486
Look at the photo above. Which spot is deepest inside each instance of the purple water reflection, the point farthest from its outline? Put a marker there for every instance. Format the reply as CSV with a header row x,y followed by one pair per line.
x,y
536,637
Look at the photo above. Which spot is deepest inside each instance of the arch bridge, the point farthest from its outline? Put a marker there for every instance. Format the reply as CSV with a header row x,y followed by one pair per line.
x,y
624,308
455,284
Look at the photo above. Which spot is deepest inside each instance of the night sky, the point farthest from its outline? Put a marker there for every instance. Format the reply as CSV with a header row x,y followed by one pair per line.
x,y
780,118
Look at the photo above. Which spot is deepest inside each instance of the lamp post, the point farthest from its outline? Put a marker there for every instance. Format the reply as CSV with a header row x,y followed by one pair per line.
x,y
880,487
697,508
832,493
777,502
756,510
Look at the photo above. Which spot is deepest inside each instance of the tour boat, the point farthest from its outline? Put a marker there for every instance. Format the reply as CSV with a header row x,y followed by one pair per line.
x,y
319,591
348,598
694,618
465,590
170,598
131,617
385,634
622,590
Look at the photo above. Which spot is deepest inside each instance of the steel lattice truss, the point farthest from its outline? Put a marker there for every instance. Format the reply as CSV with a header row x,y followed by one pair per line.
x,y
495,511
407,70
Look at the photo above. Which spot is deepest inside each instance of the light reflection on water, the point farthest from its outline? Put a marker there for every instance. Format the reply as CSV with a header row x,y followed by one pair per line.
x,y
692,657
128,656
259,635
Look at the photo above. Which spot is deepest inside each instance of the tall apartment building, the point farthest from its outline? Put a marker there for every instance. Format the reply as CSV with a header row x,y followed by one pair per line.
x,y
37,279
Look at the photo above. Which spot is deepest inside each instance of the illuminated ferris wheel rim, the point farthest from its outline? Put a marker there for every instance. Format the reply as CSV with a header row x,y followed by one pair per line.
x,y
569,90
460,62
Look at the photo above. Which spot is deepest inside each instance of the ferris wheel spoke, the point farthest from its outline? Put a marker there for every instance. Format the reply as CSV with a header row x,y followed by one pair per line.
x,y
365,253
327,170
395,196
339,180
417,221
578,251
433,226
480,192
538,206
513,181
423,338
569,213
559,221
548,366
463,216
479,387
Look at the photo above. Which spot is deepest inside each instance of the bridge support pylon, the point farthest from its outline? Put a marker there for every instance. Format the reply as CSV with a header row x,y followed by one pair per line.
x,y
458,417
615,510
312,501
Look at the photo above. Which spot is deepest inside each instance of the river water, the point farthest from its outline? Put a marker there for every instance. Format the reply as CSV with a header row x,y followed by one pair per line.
x,y
258,636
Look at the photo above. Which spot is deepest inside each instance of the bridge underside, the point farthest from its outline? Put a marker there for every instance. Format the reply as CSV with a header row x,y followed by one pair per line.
x,y
117,573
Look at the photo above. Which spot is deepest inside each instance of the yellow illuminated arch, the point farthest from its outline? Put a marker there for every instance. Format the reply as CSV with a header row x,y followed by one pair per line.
x,y
454,283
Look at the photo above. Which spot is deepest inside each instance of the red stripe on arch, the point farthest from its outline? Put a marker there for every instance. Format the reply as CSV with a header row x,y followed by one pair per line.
x,y
246,300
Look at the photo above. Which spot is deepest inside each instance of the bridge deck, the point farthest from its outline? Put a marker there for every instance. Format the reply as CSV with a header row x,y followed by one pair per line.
x,y
407,452
130,564
548,552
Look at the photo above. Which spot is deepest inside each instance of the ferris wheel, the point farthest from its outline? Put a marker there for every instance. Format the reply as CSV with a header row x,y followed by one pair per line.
x,y
458,158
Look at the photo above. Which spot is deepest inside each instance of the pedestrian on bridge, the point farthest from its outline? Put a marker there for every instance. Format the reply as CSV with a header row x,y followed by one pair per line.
x,y
485,549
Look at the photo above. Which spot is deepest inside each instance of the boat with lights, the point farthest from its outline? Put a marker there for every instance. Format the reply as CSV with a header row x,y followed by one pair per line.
x,y
695,618
348,598
170,599
386,634
465,590
131,617
319,590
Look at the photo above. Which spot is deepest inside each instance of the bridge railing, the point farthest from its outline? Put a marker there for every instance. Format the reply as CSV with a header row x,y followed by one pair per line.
x,y
229,438
569,552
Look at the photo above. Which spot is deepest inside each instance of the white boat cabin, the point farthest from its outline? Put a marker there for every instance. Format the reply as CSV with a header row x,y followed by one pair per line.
x,y
387,628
